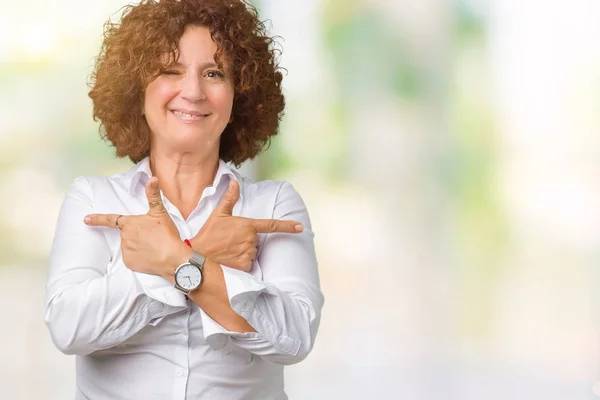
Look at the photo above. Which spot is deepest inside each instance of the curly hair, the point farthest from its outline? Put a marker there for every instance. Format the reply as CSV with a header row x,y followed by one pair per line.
x,y
130,58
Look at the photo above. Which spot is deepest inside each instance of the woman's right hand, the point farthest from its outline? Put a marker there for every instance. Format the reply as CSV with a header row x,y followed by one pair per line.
x,y
233,241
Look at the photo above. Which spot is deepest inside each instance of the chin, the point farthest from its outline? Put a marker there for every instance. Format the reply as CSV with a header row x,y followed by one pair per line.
x,y
186,140
191,145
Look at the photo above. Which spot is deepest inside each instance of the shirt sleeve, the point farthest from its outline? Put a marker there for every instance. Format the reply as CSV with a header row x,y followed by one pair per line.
x,y
88,309
285,306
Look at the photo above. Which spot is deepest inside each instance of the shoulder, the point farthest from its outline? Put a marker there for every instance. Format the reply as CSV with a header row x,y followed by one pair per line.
x,y
92,187
279,197
274,189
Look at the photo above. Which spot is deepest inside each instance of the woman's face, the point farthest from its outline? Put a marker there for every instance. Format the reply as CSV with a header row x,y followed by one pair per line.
x,y
189,106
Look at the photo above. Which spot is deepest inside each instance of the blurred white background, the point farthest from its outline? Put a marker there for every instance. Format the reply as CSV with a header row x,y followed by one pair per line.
x,y
448,152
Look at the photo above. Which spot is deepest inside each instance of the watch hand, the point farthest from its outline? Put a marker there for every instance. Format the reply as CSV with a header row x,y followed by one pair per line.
x,y
188,278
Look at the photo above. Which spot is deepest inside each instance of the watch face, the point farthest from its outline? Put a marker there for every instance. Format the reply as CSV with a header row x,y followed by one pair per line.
x,y
188,276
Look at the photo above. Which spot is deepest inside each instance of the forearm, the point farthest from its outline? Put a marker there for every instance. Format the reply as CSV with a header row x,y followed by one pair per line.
x,y
212,298
99,313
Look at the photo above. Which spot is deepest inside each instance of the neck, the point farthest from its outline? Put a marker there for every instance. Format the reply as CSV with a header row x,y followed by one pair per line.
x,y
183,177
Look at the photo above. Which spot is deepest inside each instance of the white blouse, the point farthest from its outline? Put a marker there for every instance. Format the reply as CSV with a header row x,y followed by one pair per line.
x,y
137,337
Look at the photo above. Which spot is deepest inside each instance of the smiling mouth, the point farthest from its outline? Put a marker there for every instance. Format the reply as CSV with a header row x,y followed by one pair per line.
x,y
189,117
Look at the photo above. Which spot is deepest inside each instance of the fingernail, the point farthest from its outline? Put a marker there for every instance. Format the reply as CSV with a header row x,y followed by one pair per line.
x,y
231,185
87,220
299,228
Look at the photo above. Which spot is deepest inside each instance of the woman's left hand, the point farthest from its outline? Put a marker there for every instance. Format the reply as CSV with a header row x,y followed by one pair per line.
x,y
150,243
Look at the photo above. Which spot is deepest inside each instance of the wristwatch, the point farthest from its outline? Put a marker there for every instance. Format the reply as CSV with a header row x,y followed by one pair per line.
x,y
188,275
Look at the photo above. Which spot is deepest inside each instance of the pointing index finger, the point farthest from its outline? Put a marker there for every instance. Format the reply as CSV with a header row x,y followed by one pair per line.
x,y
108,220
276,225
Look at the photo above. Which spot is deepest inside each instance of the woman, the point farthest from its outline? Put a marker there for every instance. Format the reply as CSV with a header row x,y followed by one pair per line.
x,y
181,87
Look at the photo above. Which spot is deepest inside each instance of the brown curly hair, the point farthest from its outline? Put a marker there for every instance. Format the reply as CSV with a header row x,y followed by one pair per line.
x,y
130,58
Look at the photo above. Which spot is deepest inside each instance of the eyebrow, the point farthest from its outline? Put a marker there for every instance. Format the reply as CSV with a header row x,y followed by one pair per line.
x,y
177,64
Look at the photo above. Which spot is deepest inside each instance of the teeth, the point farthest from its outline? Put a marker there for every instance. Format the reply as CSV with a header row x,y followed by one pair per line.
x,y
182,114
186,115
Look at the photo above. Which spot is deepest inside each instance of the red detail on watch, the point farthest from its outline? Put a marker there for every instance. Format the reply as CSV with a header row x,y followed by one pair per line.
x,y
187,242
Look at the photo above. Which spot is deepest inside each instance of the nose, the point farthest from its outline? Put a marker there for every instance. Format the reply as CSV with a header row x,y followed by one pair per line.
x,y
192,88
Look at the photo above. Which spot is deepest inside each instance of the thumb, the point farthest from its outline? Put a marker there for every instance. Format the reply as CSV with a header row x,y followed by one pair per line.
x,y
230,198
153,196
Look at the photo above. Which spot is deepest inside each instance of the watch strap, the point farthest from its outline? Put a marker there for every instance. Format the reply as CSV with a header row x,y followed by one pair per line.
x,y
198,260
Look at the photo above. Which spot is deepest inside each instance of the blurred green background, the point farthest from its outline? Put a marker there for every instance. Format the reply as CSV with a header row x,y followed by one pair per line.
x,y
448,152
